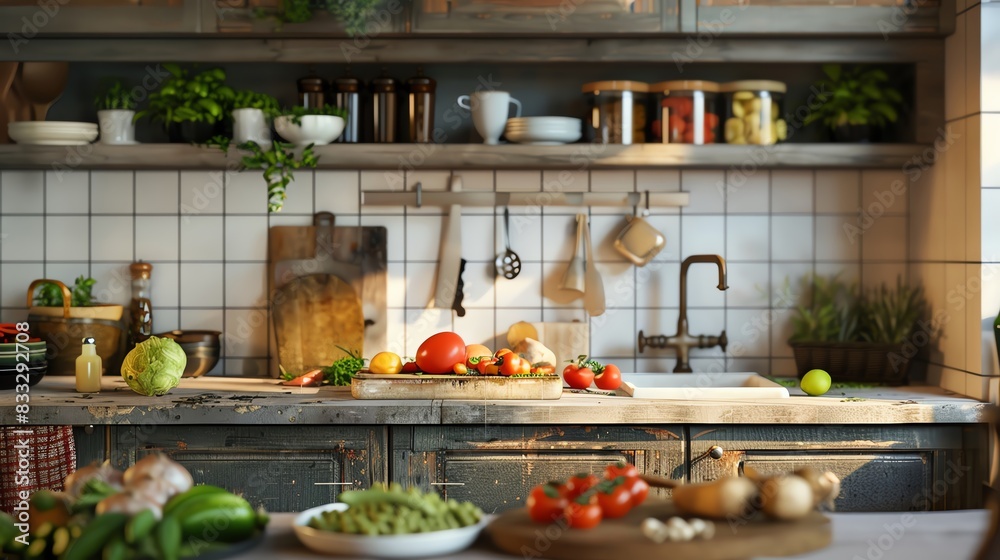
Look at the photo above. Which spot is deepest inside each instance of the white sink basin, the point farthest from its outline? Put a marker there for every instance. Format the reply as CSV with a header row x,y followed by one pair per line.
x,y
701,386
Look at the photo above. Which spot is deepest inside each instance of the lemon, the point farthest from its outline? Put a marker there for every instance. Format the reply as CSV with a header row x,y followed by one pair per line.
x,y
386,362
815,382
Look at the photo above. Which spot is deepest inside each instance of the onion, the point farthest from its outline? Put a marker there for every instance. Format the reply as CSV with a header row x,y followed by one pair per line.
x,y
825,486
169,476
787,497
128,502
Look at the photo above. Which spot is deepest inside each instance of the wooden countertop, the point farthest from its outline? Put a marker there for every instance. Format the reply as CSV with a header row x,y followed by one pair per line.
x,y
226,400
926,535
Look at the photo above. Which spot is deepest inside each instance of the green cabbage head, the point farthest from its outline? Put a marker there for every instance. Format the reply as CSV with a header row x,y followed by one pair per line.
x,y
154,367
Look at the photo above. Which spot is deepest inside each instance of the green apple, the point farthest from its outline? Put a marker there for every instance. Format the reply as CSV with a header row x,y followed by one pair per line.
x,y
815,382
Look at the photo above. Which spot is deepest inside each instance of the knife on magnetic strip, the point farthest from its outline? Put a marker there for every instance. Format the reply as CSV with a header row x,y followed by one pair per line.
x,y
449,272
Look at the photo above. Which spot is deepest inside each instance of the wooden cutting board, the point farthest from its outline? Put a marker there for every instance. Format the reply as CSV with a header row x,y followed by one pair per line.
x,y
459,387
516,534
314,316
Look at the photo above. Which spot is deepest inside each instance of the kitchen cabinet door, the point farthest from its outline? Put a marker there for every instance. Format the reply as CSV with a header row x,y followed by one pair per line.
x,y
870,17
24,19
91,444
881,468
496,466
285,468
544,17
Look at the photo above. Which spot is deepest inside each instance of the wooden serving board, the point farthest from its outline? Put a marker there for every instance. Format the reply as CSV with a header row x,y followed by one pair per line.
x,y
516,534
370,386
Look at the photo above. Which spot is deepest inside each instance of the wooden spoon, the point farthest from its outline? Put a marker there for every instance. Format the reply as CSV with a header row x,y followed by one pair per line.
x,y
8,70
42,83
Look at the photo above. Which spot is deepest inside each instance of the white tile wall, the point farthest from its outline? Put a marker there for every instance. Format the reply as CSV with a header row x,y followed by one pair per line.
x,y
206,235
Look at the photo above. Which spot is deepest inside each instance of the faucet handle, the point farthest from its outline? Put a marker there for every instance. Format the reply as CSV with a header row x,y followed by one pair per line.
x,y
723,340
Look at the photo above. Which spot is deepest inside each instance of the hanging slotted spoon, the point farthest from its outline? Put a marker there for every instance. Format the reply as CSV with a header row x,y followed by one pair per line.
x,y
508,263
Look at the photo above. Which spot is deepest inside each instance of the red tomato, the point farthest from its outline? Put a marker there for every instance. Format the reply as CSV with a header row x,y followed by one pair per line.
x,y
546,503
615,501
609,379
621,469
410,367
711,120
439,353
580,483
578,378
525,367
510,364
638,488
487,366
501,352
583,516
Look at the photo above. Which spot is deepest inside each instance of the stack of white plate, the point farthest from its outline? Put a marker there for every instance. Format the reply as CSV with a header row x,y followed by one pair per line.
x,y
52,133
543,130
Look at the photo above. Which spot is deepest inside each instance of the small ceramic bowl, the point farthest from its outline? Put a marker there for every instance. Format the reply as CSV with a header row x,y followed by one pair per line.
x,y
315,129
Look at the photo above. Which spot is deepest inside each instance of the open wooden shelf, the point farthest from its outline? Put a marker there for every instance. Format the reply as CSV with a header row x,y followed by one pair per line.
x,y
475,156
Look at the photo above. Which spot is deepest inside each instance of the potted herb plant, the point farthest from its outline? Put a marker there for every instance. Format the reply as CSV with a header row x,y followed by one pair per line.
x,y
304,126
193,108
858,336
856,103
62,317
252,113
116,115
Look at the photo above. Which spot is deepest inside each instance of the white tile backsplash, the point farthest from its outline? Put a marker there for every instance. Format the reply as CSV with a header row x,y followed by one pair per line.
x,y
835,243
66,193
210,262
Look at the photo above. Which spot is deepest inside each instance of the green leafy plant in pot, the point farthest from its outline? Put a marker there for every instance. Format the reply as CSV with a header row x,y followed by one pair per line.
x,y
252,113
116,114
858,336
856,103
193,108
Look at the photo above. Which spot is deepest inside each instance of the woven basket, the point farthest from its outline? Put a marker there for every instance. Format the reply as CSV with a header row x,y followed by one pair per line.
x,y
50,455
62,328
864,362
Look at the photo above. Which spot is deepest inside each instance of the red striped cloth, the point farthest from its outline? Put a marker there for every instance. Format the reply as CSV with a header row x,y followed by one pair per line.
x,y
33,458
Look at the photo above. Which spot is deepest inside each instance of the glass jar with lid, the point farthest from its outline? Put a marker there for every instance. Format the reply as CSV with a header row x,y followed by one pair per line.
x,y
754,112
686,112
617,111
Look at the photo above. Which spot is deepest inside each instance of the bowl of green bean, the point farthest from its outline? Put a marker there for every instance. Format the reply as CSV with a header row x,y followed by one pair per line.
x,y
390,522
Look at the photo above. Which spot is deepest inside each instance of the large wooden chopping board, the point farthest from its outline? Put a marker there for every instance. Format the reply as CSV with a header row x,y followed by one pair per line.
x,y
314,318
516,534
459,387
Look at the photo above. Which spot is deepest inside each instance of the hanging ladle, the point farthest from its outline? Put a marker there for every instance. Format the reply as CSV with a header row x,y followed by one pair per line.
x,y
508,263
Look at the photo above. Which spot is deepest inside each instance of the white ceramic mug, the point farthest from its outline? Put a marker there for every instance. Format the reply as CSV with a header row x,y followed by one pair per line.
x,y
490,110
116,126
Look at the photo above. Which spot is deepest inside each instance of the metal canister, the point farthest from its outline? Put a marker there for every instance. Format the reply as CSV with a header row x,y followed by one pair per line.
x,y
346,93
312,91
421,108
384,109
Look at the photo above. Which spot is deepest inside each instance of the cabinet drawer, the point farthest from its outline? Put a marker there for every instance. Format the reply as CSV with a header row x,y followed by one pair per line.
x,y
285,468
872,17
544,16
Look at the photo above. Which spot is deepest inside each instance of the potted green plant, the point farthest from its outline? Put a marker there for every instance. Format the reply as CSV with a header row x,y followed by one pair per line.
x,y
252,113
193,108
354,14
855,335
856,103
62,316
116,115
305,126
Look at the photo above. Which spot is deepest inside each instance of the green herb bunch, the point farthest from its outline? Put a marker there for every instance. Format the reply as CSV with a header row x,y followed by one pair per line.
x,y
279,164
343,370
115,97
831,315
856,97
246,99
50,295
296,113
889,316
202,97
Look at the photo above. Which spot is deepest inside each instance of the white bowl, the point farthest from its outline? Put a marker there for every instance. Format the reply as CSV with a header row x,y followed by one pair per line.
x,y
566,122
437,543
315,129
52,133
543,137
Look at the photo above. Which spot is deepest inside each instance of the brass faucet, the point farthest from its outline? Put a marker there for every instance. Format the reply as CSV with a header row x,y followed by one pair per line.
x,y
682,341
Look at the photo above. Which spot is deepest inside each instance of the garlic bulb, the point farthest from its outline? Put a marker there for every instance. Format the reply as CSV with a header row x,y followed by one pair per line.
x,y
128,502
169,476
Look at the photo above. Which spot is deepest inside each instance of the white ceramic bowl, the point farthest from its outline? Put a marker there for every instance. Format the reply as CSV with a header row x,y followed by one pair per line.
x,y
438,543
543,138
52,133
530,122
315,129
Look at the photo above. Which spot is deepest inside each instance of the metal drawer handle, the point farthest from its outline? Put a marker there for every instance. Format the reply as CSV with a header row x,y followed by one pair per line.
x,y
333,484
714,452
447,484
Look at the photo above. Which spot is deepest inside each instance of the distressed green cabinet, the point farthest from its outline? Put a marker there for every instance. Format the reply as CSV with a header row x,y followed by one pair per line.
x,y
882,468
285,468
496,466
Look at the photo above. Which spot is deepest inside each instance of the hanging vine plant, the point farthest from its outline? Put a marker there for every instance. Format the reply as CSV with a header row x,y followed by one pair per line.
x,y
278,163
354,14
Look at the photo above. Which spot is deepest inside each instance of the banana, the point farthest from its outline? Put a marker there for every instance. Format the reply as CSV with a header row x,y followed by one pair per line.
x,y
140,526
60,541
37,548
195,492
97,533
168,537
